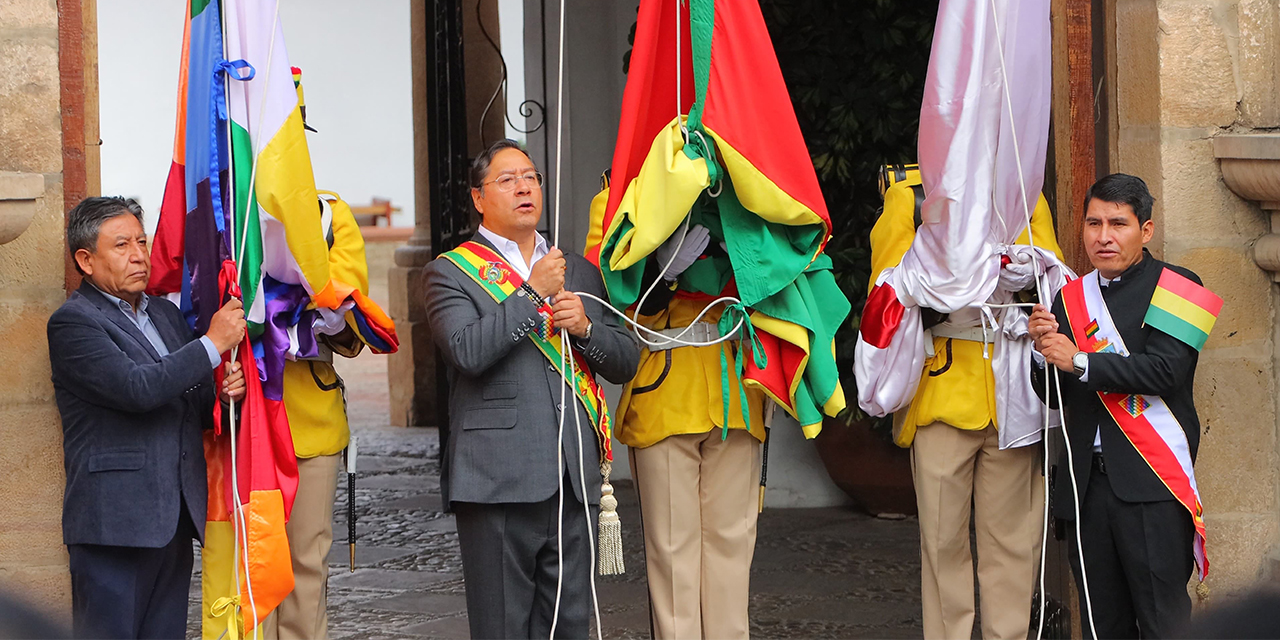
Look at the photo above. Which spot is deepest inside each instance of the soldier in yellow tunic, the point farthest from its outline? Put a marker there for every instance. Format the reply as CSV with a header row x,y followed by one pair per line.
x,y
315,404
698,483
956,460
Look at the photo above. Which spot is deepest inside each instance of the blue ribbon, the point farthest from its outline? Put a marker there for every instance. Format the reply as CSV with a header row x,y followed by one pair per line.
x,y
232,71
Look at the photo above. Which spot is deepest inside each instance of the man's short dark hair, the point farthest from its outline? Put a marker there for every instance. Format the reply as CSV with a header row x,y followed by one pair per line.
x,y
1122,188
480,166
85,219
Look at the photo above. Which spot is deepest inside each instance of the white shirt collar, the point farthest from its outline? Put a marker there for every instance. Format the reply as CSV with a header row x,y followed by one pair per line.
x,y
511,250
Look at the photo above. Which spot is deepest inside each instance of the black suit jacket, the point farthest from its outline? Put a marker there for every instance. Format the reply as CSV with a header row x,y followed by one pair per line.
x,y
131,421
1158,364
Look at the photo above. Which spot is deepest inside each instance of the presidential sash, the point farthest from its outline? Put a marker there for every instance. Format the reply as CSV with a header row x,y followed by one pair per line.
x,y
1145,419
492,272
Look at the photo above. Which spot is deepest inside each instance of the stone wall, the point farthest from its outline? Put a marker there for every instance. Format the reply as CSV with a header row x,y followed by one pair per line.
x,y
33,562
1185,71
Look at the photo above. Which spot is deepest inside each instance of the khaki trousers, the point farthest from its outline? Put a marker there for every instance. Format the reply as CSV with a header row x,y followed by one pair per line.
x,y
699,499
303,613
956,470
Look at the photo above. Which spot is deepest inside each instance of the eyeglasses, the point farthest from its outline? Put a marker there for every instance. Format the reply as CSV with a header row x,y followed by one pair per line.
x,y
507,183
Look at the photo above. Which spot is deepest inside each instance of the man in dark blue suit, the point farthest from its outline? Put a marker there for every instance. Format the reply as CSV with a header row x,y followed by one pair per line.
x,y
135,390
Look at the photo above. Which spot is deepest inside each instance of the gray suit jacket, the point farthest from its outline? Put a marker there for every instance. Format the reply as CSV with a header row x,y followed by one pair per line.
x,y
504,394
132,422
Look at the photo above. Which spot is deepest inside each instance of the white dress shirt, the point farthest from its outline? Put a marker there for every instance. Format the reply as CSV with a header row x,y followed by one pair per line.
x,y
1097,436
511,251
1084,377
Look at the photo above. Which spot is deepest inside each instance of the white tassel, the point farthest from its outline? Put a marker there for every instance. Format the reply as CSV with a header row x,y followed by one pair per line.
x,y
610,557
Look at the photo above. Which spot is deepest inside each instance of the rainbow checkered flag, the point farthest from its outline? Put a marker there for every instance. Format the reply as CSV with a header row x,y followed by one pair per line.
x,y
1183,309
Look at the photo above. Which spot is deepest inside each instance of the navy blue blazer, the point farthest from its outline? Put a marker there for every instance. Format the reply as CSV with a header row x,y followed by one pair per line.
x,y
132,422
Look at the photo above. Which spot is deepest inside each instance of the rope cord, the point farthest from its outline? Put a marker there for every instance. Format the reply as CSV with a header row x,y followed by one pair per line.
x,y
663,341
659,340
582,483
1052,370
684,130
236,256
555,616
257,143
235,489
567,375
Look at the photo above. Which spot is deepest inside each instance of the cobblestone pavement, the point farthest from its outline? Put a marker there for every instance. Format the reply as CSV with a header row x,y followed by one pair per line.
x,y
818,573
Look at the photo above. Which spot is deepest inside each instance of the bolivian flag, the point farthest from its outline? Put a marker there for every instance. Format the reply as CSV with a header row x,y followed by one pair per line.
x,y
712,130
1183,309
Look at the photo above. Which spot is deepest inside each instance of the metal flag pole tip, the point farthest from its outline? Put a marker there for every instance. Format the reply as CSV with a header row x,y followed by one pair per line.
x,y
351,502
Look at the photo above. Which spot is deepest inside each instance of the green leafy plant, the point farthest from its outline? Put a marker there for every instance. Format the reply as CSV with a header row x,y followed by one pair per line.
x,y
855,71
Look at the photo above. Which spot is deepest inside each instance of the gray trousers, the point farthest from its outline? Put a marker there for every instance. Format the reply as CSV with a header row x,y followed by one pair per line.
x,y
509,564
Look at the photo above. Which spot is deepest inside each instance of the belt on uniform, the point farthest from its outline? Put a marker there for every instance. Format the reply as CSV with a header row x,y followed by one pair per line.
x,y
973,334
700,332
1099,463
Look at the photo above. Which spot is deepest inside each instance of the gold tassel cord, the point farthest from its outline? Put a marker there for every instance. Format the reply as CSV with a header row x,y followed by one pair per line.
x,y
610,556
1202,593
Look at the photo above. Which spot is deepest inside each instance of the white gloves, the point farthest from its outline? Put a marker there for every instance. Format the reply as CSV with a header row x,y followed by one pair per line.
x,y
1020,273
695,242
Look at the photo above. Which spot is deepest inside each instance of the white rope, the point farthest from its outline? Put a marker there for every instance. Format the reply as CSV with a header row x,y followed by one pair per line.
x,y
559,131
1050,370
237,255
555,614
663,341
567,363
565,372
582,482
1044,524
256,141
684,130
235,543
239,520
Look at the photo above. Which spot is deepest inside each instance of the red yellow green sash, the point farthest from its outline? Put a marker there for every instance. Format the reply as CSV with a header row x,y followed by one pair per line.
x,y
1145,419
492,272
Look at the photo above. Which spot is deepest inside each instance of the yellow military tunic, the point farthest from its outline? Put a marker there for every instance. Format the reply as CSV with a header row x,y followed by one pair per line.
x,y
678,391
312,399
958,384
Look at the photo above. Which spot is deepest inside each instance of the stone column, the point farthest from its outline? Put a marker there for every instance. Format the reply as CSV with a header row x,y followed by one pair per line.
x,y
45,105
411,372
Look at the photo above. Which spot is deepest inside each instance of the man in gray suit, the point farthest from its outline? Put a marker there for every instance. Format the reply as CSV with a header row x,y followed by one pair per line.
x,y
501,474
135,390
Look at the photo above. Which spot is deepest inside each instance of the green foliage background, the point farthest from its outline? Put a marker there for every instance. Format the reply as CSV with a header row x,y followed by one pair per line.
x,y
855,70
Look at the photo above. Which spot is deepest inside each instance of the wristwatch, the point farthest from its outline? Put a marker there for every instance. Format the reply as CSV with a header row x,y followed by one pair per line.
x,y
587,334
1080,363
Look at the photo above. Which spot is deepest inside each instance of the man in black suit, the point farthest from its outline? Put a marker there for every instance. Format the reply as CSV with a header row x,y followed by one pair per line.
x,y
1136,536
135,390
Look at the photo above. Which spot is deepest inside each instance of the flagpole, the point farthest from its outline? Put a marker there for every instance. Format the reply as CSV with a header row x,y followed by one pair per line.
x,y
231,406
244,238
256,144
238,521
1057,381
